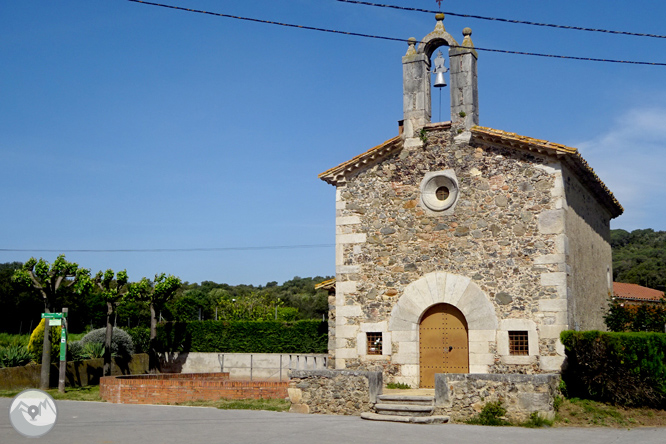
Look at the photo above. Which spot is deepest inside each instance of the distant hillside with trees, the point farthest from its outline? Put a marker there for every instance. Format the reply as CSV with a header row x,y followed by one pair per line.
x,y
639,257
296,299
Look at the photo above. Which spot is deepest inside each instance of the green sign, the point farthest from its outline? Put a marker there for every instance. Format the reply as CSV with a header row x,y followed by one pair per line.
x,y
52,315
63,344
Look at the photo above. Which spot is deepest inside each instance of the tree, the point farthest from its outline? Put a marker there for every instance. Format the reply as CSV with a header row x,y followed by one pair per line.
x,y
49,279
156,294
113,294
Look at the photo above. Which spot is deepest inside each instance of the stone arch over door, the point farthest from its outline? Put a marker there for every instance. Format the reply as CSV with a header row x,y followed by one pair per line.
x,y
437,288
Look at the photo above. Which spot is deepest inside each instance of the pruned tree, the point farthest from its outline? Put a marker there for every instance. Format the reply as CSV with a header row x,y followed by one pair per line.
x,y
156,294
113,292
49,279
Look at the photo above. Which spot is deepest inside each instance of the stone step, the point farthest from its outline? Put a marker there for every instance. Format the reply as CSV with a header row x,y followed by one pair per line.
x,y
404,409
406,399
407,419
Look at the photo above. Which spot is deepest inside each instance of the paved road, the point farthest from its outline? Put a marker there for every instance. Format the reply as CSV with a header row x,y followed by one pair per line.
x,y
103,423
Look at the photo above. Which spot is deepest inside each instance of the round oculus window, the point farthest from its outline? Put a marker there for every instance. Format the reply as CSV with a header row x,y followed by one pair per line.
x,y
439,192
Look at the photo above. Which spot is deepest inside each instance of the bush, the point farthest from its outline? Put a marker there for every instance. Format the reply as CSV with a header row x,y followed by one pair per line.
x,y
397,385
7,339
628,369
537,421
626,317
36,343
14,356
307,336
140,337
75,351
492,414
121,343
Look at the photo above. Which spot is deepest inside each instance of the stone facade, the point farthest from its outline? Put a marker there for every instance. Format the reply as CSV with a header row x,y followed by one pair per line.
x,y
464,396
336,392
518,241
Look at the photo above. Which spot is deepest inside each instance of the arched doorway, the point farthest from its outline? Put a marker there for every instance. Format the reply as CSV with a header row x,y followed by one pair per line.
x,y
443,343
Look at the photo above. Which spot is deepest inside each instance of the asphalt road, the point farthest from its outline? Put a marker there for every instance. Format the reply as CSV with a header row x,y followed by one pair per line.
x,y
103,423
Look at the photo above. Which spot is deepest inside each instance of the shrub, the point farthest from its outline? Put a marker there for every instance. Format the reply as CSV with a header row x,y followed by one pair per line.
x,y
36,343
397,385
492,414
140,337
621,368
7,339
626,317
307,336
75,351
536,421
121,343
14,356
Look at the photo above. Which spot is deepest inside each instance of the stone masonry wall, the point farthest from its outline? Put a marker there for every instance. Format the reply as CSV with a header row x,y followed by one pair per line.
x,y
506,234
463,396
333,391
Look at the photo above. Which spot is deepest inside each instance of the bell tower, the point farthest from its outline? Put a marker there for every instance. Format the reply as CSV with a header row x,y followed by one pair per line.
x,y
417,96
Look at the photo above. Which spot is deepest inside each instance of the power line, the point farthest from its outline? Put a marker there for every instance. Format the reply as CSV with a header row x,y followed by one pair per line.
x,y
356,34
169,250
497,19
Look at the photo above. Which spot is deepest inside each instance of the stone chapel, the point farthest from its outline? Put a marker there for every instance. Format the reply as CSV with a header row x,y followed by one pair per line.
x,y
461,248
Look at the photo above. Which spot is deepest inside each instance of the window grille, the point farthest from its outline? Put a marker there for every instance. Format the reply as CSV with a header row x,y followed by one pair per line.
x,y
518,343
375,343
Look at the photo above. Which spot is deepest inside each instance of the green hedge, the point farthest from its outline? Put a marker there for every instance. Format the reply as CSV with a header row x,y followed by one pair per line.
x,y
622,368
305,336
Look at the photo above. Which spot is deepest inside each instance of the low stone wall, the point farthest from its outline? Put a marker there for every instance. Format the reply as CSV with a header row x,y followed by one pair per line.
x,y
462,396
79,373
261,366
336,392
173,388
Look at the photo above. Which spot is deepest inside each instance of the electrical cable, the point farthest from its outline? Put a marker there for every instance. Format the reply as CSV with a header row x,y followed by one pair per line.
x,y
497,19
356,34
169,250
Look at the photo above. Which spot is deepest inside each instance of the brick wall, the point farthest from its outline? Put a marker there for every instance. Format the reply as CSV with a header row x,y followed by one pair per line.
x,y
174,388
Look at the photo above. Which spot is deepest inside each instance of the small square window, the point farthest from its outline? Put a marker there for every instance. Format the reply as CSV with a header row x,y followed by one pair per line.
x,y
375,343
518,343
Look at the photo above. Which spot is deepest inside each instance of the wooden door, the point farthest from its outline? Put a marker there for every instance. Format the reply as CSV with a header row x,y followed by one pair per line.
x,y
443,343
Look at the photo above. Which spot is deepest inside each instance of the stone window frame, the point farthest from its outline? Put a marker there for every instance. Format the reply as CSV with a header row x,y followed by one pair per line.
x,y
503,349
362,340
428,188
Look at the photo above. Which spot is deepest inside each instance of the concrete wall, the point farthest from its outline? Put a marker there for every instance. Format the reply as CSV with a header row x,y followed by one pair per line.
x,y
254,366
589,257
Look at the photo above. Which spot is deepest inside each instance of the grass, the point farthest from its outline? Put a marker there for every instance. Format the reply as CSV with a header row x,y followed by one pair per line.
x,y
87,393
575,412
274,405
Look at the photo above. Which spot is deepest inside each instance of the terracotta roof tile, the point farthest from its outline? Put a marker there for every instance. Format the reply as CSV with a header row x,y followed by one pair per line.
x,y
328,284
636,292
375,154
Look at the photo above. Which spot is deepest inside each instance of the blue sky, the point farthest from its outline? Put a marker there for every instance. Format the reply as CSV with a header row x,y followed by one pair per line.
x,y
126,126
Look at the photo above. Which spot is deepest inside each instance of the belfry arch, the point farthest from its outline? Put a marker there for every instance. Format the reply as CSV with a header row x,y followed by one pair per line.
x,y
417,96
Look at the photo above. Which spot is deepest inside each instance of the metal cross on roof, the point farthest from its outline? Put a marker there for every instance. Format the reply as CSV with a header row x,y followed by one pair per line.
x,y
439,2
